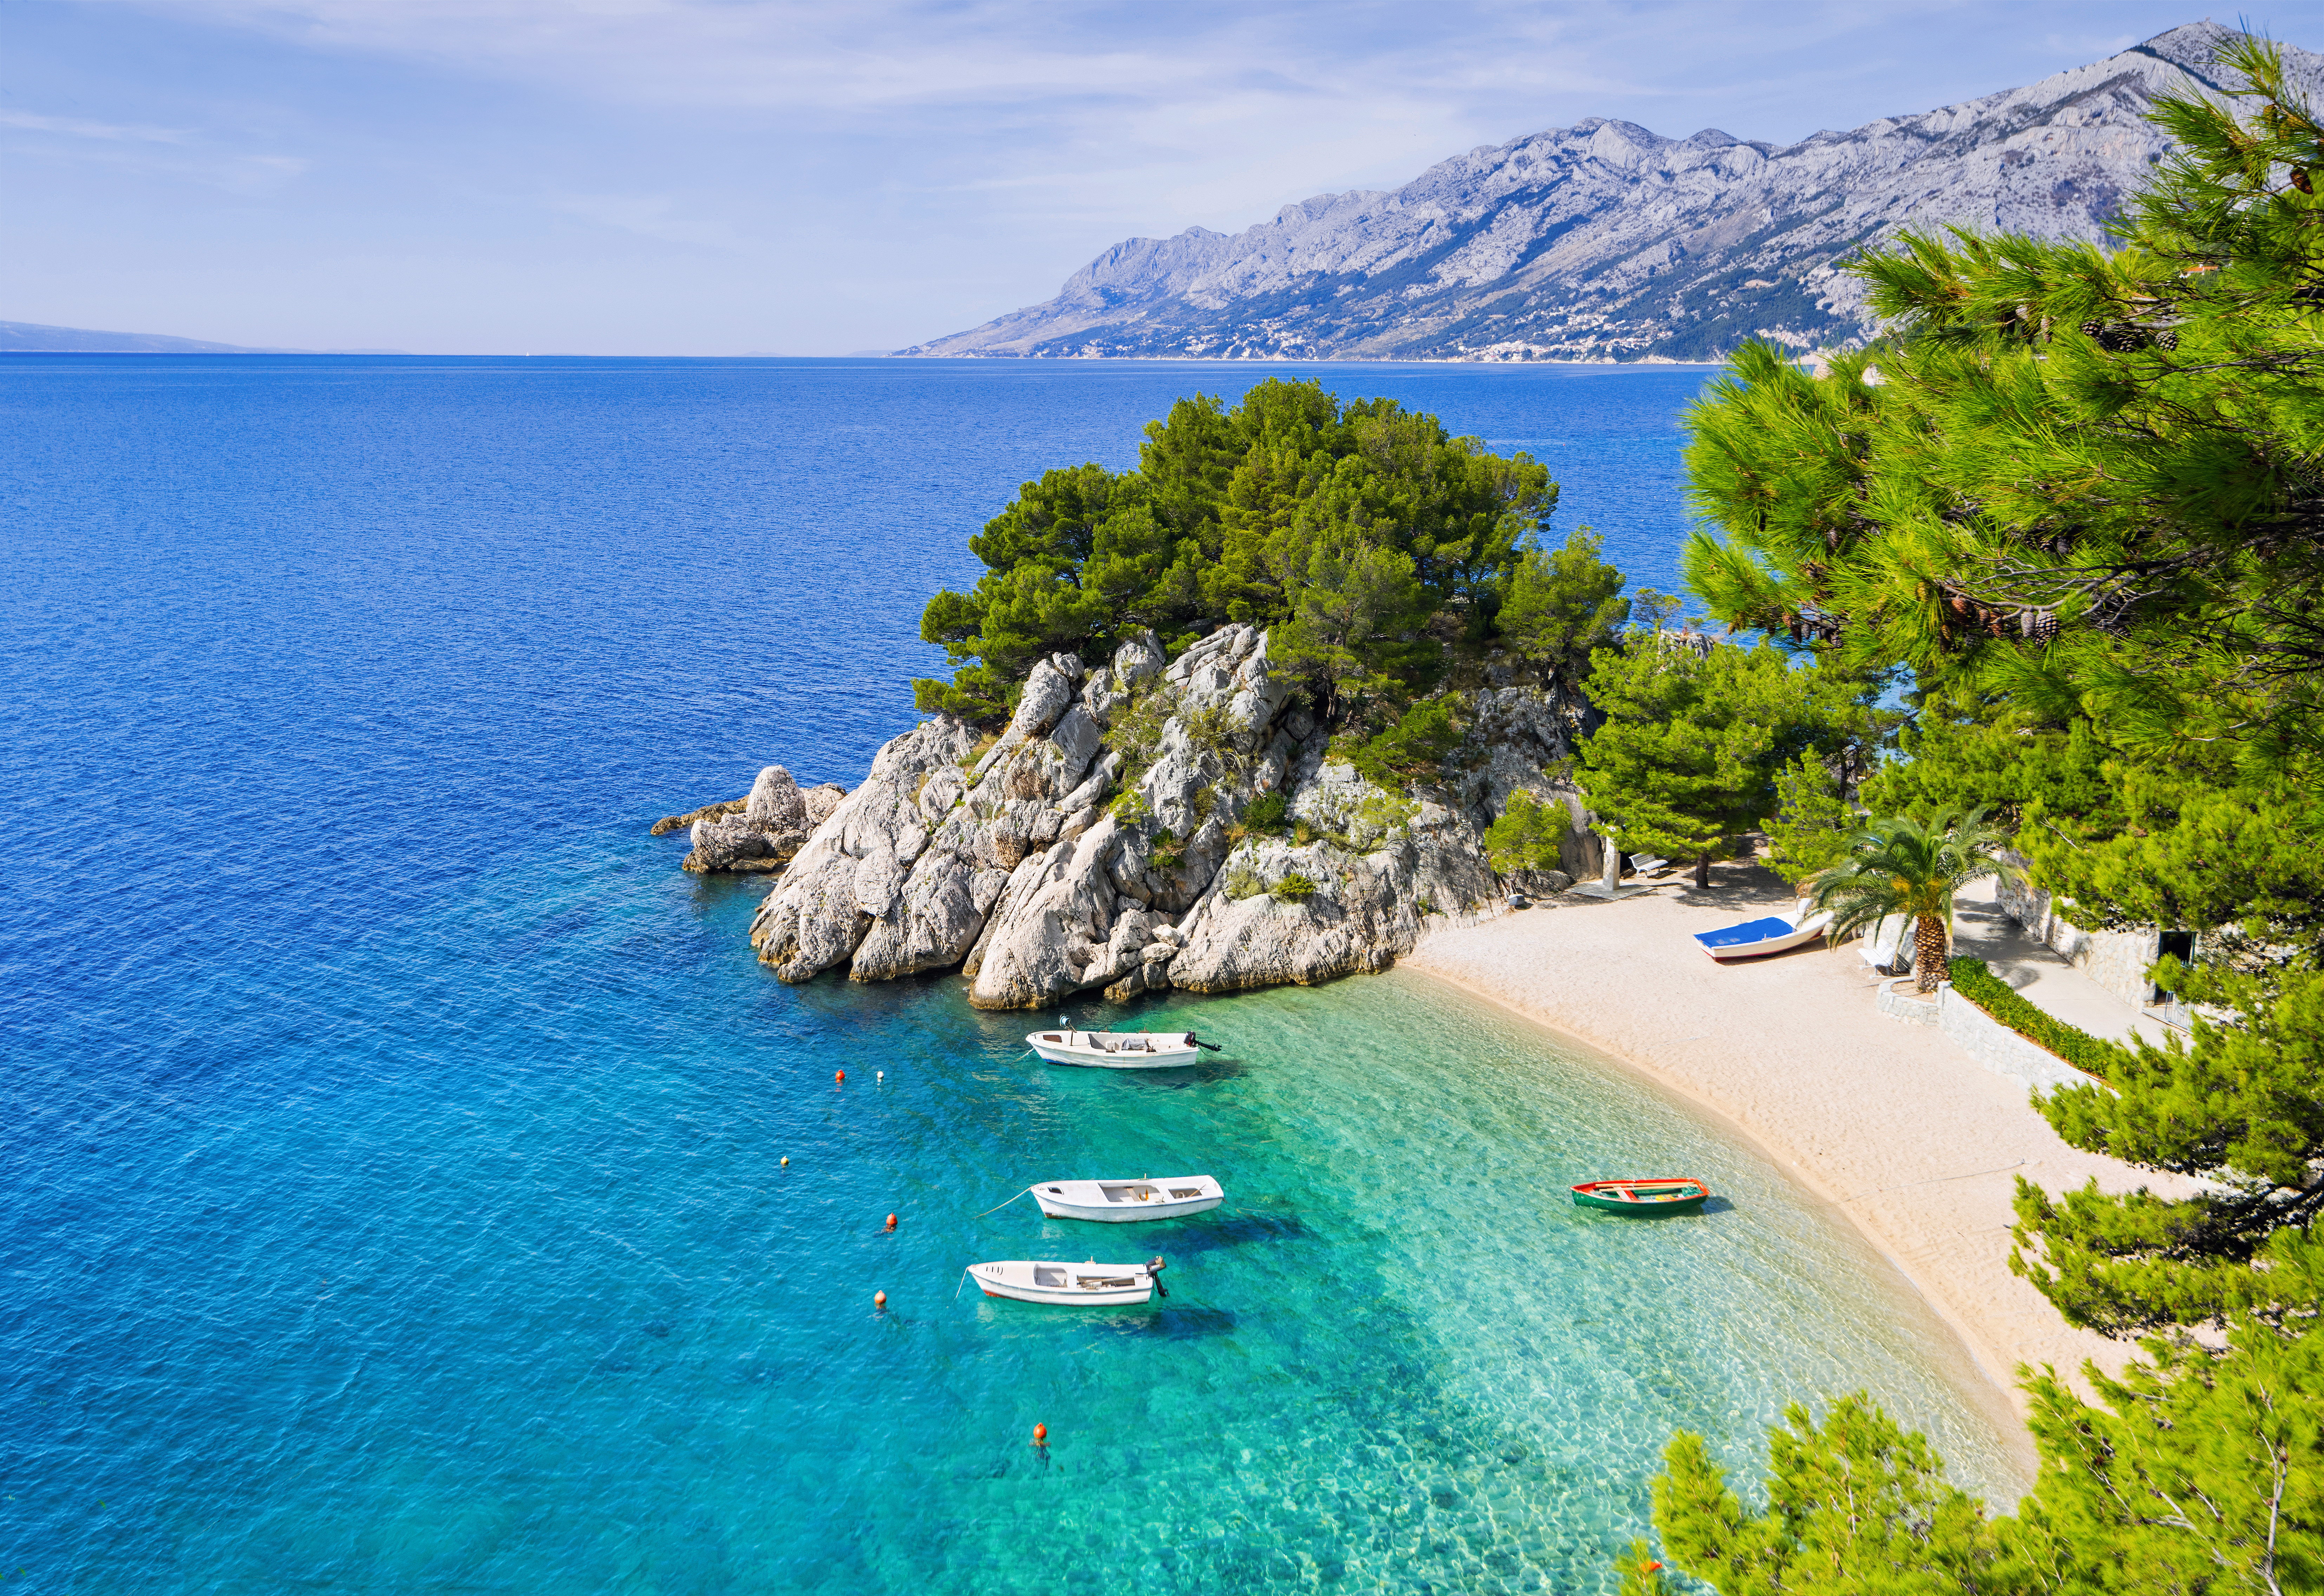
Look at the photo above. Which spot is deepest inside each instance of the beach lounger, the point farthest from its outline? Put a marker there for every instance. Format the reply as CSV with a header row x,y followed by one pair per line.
x,y
1887,948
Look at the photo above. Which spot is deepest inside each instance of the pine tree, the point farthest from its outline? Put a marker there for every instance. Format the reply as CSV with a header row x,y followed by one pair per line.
x,y
1694,735
1563,605
2080,495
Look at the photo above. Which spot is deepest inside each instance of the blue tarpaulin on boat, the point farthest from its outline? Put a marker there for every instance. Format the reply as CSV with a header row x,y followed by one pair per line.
x,y
1765,931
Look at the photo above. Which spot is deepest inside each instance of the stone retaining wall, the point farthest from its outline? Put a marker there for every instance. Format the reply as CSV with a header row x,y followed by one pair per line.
x,y
2002,1050
2116,960
1897,1000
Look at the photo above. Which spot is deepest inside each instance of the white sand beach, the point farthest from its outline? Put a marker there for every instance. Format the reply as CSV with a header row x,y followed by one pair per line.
x,y
1892,1122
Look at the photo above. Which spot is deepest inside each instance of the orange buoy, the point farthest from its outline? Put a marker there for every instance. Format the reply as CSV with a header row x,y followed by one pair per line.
x,y
879,1299
1040,1435
891,1222
839,1074
1651,1568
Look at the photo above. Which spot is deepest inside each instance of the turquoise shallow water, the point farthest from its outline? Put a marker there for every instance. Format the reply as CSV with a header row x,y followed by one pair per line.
x,y
393,1132
523,1299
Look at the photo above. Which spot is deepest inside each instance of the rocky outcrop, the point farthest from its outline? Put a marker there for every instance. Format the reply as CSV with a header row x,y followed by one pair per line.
x,y
1604,240
761,831
1099,842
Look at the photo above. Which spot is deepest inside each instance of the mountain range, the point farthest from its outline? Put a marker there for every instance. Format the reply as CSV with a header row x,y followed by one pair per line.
x,y
32,338
1604,240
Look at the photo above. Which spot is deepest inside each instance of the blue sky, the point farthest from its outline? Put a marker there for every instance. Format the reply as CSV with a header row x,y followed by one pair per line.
x,y
716,176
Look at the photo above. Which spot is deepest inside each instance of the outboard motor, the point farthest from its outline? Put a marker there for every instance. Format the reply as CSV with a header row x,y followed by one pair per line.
x,y
1153,1268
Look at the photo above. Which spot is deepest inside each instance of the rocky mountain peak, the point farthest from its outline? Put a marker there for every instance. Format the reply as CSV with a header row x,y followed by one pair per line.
x,y
1607,241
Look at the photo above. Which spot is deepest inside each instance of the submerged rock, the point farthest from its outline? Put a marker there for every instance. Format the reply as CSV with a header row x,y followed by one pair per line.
x,y
1098,842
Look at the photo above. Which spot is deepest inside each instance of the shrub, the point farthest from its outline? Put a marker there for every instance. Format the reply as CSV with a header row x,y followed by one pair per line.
x,y
1168,851
1377,814
1135,729
1242,881
1212,730
1129,806
1294,888
1413,748
1268,815
1526,836
1988,992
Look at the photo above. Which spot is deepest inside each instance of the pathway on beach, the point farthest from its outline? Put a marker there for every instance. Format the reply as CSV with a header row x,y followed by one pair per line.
x,y
1915,1141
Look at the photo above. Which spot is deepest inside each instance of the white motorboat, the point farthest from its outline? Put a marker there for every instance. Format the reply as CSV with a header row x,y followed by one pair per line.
x,y
1754,938
1118,1049
1115,1202
1090,1285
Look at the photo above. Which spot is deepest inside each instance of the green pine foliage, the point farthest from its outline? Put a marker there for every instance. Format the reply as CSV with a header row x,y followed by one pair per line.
x,y
1563,605
2086,476
2198,1474
1855,1504
1527,835
2079,496
2082,502
1964,747
1371,537
1695,735
1809,831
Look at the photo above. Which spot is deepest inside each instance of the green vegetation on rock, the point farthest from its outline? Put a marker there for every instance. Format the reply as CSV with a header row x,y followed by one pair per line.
x,y
1369,537
1563,605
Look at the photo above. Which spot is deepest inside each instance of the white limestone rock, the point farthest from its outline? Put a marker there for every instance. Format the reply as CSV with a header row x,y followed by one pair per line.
x,y
1018,869
817,913
1047,691
1138,659
775,804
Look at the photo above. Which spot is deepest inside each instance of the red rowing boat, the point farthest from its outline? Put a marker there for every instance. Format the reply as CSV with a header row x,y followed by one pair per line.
x,y
1674,1193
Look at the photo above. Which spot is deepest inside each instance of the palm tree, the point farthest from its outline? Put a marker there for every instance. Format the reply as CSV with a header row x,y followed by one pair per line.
x,y
1908,866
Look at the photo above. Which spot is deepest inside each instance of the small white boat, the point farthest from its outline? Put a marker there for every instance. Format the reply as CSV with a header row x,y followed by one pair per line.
x,y
1070,1284
1115,1202
1118,1049
1754,938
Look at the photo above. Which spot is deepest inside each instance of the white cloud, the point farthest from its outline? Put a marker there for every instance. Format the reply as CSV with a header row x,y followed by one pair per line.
x,y
165,152
81,128
954,158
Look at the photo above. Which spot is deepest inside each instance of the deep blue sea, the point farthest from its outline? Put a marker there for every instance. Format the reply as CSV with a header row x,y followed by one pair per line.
x,y
392,1131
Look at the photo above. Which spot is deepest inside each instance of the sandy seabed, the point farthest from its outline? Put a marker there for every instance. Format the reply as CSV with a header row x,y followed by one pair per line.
x,y
1892,1122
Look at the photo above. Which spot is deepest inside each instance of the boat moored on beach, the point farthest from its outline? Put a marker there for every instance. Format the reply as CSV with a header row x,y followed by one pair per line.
x,y
1675,1194
1756,938
1119,1049
1116,1202
1090,1285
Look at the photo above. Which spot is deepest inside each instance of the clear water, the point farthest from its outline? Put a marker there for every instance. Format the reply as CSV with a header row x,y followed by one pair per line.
x,y
393,1132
